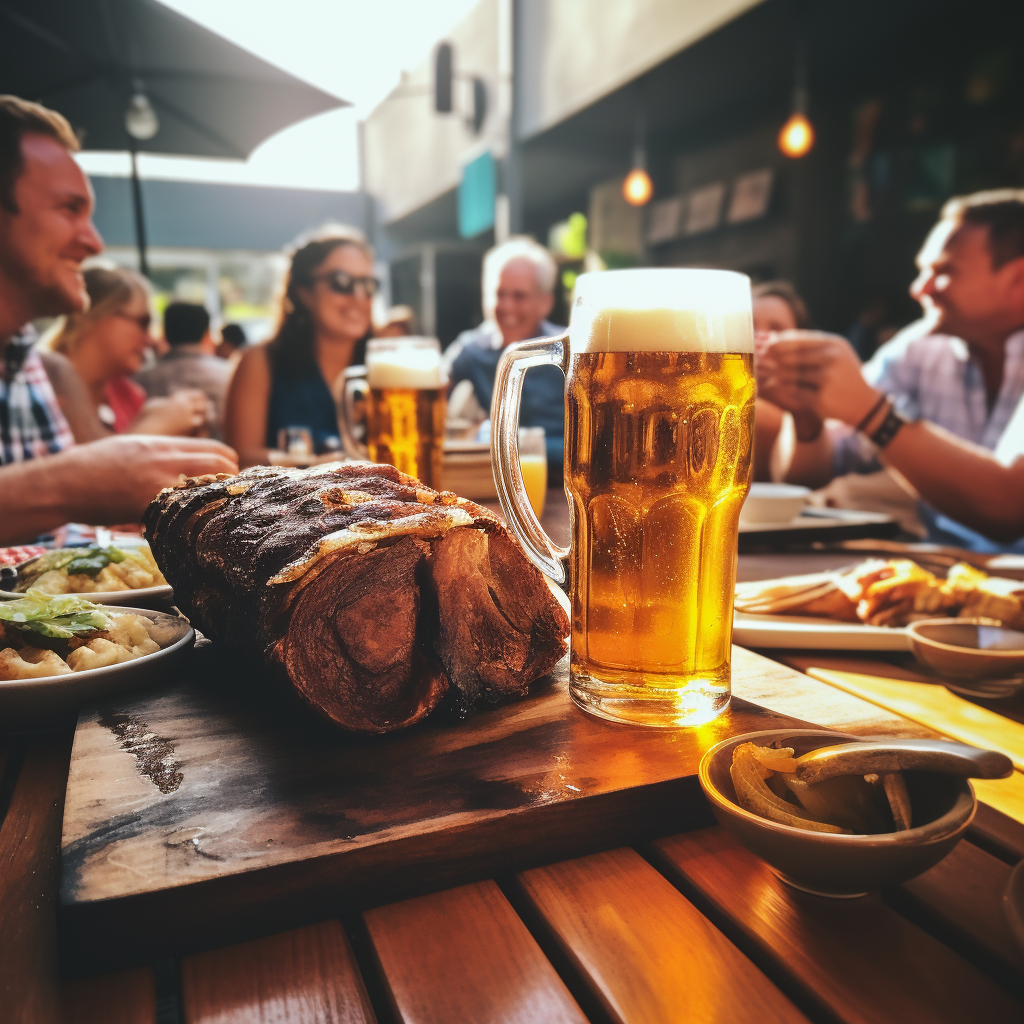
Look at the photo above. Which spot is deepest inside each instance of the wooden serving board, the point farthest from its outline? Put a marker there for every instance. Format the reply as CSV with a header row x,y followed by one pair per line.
x,y
222,808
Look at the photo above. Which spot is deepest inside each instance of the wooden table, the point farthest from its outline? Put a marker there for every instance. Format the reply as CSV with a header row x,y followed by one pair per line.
x,y
687,927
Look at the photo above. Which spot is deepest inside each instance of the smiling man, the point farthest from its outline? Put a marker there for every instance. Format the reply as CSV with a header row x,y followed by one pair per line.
x,y
960,368
518,291
46,231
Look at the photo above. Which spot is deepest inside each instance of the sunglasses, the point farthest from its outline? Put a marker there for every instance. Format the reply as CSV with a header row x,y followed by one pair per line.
x,y
342,283
144,321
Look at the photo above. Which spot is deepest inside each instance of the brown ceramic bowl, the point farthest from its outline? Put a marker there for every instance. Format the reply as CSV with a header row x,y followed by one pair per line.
x,y
840,865
967,648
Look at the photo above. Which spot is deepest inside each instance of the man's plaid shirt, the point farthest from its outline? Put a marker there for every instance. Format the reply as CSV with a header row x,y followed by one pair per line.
x,y
31,421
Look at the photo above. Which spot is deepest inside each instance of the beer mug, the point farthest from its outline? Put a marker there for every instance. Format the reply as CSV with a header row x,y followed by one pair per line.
x,y
406,395
659,419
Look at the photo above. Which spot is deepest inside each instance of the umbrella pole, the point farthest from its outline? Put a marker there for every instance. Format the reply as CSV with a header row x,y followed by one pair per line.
x,y
140,220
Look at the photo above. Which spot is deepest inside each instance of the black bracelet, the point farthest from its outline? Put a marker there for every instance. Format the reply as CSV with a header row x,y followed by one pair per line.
x,y
871,415
889,429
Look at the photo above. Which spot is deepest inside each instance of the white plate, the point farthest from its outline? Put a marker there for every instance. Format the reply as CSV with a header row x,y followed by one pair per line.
x,y
30,700
818,519
808,632
133,597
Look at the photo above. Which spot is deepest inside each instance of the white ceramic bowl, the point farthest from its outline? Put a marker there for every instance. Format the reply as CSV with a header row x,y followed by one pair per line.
x,y
774,503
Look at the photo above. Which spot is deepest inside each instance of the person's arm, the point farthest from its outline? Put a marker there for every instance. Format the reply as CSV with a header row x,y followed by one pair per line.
x,y
810,463
768,418
185,413
247,408
73,398
962,480
102,483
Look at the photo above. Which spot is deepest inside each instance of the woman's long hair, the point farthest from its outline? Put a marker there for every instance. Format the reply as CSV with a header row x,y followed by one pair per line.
x,y
291,350
110,289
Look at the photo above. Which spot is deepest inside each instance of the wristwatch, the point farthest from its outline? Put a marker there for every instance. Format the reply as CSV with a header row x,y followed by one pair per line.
x,y
890,426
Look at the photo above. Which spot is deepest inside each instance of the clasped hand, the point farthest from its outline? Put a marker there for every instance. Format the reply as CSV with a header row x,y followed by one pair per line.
x,y
813,372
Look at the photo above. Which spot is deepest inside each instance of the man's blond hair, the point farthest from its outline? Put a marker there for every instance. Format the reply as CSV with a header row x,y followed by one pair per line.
x,y
19,118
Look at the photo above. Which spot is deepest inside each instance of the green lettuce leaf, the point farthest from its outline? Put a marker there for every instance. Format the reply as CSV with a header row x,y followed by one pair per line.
x,y
61,616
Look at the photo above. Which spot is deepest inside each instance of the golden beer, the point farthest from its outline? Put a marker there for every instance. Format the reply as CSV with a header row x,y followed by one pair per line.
x,y
657,463
659,418
406,407
405,427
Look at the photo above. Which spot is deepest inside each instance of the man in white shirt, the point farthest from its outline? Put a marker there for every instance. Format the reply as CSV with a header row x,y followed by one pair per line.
x,y
961,368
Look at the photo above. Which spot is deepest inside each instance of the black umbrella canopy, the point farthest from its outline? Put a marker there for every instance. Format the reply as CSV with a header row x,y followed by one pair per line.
x,y
87,58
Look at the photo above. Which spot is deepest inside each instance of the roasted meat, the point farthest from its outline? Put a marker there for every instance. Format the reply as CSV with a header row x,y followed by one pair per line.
x,y
374,593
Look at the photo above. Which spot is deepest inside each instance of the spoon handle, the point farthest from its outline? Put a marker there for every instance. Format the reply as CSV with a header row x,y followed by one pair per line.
x,y
893,755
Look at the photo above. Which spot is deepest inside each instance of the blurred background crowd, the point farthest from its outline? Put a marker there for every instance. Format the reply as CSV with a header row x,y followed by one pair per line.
x,y
863,164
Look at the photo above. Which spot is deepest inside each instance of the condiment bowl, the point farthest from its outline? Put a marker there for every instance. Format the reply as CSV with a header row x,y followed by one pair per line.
x,y
840,865
967,648
773,503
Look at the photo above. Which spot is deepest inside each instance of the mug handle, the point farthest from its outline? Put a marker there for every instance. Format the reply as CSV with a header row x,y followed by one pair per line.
x,y
508,474
352,387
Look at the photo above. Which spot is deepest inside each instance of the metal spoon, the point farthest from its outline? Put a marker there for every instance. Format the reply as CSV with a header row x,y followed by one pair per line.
x,y
864,757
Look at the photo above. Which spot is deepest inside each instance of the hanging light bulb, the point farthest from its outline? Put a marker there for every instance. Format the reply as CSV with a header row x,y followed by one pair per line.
x,y
638,188
797,136
140,119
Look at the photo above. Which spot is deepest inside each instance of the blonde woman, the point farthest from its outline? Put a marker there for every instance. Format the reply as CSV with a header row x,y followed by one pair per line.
x,y
107,343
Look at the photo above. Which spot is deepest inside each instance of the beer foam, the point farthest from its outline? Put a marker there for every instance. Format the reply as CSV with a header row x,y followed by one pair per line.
x,y
409,368
662,310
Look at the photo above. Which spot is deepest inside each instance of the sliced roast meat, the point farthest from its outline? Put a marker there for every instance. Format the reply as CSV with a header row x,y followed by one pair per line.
x,y
371,591
499,625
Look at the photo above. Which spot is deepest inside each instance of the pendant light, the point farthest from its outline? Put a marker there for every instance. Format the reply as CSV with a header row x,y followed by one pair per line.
x,y
638,188
140,119
796,138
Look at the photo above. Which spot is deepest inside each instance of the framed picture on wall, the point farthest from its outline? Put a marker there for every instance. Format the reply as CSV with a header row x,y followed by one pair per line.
x,y
751,194
704,210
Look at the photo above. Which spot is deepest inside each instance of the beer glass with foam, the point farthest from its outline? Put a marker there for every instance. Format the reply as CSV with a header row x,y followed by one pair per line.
x,y
405,391
659,414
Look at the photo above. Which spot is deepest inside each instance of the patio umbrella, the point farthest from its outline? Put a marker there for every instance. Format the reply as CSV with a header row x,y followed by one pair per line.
x,y
134,75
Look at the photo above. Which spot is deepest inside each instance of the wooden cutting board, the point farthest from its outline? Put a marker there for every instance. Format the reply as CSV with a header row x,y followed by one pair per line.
x,y
222,808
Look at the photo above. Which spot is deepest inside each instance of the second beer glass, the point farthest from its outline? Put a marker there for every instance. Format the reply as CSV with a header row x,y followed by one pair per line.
x,y
406,403
658,435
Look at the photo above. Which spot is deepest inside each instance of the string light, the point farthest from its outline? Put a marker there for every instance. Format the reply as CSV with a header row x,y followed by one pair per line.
x,y
797,136
638,188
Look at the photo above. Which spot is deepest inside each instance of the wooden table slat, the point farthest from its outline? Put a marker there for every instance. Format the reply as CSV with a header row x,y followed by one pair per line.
x,y
963,893
786,690
646,953
998,833
464,955
29,870
854,959
127,997
305,976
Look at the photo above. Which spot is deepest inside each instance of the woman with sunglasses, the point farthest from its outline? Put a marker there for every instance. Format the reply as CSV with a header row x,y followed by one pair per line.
x,y
323,322
106,344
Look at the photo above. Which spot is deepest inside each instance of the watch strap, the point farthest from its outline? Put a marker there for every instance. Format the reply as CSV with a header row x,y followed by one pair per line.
x,y
889,427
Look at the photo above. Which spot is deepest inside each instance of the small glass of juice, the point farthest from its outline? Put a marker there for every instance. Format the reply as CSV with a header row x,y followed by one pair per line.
x,y
533,459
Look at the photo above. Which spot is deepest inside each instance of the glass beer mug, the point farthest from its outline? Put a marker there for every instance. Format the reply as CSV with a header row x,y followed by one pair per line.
x,y
659,419
406,394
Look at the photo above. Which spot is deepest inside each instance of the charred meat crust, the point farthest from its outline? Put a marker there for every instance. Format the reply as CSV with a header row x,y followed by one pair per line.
x,y
372,591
